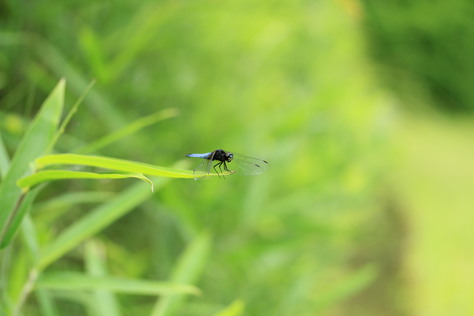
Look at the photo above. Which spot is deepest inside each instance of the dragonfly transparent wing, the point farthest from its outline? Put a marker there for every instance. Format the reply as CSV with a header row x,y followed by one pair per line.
x,y
245,165
202,169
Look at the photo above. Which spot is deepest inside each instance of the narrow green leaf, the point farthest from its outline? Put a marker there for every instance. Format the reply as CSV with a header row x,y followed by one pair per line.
x,y
71,112
96,220
71,281
113,164
187,270
37,139
51,175
129,129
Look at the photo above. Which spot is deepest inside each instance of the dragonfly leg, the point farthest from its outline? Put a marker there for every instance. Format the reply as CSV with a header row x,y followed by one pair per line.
x,y
225,167
218,164
222,163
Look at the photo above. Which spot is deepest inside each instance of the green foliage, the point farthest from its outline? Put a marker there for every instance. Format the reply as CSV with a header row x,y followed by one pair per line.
x,y
68,281
280,80
187,269
427,46
37,140
111,163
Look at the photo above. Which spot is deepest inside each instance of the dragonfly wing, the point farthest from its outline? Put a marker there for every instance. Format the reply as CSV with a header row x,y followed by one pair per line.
x,y
203,169
245,165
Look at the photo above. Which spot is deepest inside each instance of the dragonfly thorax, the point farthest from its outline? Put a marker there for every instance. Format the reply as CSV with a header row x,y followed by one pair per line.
x,y
221,155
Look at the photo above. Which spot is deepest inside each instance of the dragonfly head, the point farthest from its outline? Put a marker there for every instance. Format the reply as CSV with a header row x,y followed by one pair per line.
x,y
229,157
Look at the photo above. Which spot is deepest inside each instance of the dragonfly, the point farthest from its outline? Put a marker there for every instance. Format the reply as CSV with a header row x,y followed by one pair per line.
x,y
222,160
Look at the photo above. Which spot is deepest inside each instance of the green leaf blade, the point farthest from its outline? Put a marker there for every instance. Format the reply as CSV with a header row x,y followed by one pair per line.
x,y
129,129
51,175
38,138
113,164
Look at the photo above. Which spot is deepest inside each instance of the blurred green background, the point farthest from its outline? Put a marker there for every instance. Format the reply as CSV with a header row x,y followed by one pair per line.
x,y
363,110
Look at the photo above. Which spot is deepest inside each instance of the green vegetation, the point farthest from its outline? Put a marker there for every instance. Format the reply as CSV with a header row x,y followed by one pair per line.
x,y
427,45
99,212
